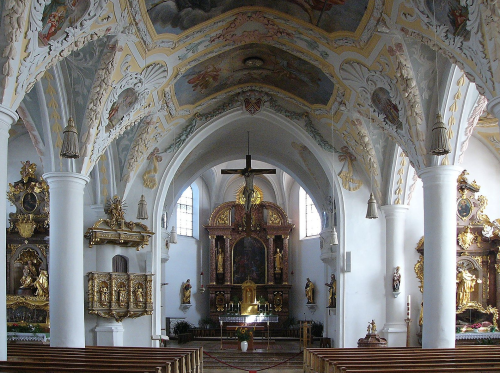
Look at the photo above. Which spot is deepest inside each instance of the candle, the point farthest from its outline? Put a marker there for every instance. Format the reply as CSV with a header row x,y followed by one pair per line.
x,y
408,307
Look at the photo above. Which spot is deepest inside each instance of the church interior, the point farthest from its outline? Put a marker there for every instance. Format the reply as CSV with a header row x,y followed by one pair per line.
x,y
272,163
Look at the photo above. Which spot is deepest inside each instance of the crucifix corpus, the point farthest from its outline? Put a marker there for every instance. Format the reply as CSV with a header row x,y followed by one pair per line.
x,y
248,173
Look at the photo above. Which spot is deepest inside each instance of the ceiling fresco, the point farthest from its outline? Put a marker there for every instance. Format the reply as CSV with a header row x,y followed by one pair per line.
x,y
254,64
452,14
175,16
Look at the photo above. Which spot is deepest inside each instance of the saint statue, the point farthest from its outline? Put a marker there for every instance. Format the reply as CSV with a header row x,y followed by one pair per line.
x,y
465,285
139,295
309,291
104,294
29,275
396,280
220,262
372,327
186,292
278,261
332,292
42,284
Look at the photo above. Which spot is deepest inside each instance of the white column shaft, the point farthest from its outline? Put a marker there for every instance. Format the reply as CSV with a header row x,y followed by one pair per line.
x,y
440,229
7,118
66,283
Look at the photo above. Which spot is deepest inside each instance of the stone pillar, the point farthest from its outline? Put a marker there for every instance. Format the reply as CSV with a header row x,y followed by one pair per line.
x,y
213,260
394,329
285,260
7,118
270,259
227,261
67,328
440,230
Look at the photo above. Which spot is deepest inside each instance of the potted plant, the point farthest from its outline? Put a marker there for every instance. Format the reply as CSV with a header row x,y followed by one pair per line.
x,y
317,329
244,335
475,327
26,332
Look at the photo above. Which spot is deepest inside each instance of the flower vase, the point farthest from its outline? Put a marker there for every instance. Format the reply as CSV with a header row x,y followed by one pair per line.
x,y
475,330
244,346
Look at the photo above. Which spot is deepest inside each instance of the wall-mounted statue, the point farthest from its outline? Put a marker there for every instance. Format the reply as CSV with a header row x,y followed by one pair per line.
x,y
332,292
396,280
278,261
186,292
309,291
465,285
220,261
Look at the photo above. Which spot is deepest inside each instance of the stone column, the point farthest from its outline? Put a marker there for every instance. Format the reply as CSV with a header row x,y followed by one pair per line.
x,y
213,260
285,260
227,261
7,118
394,329
66,288
270,260
440,229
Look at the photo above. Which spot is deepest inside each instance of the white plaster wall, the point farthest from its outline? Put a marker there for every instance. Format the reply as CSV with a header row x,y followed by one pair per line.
x,y
304,261
364,290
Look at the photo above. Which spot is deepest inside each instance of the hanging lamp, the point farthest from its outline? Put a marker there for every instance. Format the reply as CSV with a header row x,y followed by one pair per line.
x,y
142,209
371,212
335,238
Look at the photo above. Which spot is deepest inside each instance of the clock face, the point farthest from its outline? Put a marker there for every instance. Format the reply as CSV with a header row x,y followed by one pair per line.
x,y
30,202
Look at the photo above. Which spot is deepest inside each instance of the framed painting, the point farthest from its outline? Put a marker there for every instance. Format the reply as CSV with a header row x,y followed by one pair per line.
x,y
464,208
249,261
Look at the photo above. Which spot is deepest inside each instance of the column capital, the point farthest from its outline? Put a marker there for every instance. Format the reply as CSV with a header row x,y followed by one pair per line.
x,y
394,210
7,117
442,172
54,177
494,107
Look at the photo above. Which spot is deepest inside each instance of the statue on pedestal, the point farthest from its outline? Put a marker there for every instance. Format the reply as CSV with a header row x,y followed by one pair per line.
x,y
29,275
220,261
465,286
332,292
42,284
186,292
396,280
309,291
278,261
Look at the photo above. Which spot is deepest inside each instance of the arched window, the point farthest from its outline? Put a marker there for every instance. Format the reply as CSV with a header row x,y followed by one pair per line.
x,y
185,213
120,264
309,215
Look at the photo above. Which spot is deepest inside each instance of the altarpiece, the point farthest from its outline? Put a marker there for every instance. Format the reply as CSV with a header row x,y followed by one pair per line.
x,y
255,251
478,260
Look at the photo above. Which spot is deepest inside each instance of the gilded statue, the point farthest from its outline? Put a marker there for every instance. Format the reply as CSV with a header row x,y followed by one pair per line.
x,y
309,291
139,294
220,262
104,294
29,276
396,280
372,327
332,291
186,292
122,295
465,286
42,284
278,261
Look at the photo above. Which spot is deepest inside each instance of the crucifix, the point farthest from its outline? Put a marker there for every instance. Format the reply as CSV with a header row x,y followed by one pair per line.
x,y
248,173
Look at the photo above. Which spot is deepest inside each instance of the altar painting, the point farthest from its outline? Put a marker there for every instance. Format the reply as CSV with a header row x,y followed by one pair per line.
x,y
249,261
59,15
174,17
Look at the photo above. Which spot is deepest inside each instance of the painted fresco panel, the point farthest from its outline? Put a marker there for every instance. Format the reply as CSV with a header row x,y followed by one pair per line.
x,y
175,16
279,69
452,14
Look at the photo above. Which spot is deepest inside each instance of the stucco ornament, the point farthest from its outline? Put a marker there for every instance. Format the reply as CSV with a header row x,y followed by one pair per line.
x,y
379,95
150,79
472,47
14,19
39,57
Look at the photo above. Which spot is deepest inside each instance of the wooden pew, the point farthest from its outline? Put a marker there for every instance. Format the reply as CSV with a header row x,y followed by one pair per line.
x,y
334,360
171,359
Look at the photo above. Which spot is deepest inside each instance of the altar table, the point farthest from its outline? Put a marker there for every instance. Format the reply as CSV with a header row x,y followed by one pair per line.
x,y
247,319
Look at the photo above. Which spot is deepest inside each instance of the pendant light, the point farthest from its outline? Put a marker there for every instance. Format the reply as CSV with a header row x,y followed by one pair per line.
x,y
70,147
371,212
172,237
142,207
334,239
439,138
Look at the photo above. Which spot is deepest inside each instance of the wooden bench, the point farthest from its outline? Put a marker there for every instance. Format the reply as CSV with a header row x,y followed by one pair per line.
x,y
325,360
125,359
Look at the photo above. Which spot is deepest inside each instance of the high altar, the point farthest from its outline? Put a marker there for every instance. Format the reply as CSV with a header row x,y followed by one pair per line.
x,y
478,264
254,251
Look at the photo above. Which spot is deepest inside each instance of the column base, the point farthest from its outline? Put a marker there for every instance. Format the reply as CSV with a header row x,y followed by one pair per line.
x,y
395,334
109,334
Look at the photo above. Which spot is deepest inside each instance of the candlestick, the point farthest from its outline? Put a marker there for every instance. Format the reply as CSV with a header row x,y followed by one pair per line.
x,y
408,303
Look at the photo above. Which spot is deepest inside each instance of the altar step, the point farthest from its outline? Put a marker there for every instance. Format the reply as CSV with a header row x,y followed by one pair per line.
x,y
253,360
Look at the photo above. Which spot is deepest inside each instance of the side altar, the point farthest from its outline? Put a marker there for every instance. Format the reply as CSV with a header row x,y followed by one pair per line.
x,y
249,247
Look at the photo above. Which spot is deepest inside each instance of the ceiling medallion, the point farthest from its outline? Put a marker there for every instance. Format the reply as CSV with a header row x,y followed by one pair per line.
x,y
253,62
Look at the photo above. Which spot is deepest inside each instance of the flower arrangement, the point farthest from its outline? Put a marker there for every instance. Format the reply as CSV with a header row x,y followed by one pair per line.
x,y
243,334
476,325
28,328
